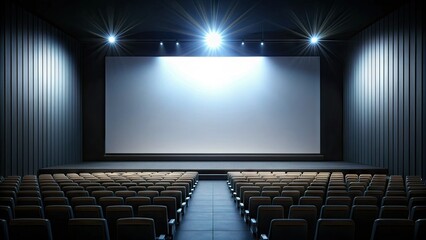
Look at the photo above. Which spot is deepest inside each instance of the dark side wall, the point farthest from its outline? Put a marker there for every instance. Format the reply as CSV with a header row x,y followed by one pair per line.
x,y
94,87
385,94
40,95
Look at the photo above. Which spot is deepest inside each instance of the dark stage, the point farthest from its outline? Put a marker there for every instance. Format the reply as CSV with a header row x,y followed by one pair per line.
x,y
215,169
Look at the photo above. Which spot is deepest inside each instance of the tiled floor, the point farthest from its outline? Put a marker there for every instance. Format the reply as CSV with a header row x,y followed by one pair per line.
x,y
212,214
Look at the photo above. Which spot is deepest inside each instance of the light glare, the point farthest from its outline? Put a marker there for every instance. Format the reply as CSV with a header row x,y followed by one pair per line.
x,y
213,40
111,39
314,40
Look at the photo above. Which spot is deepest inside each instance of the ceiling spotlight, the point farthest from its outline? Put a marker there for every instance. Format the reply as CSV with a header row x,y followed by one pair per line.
x,y
111,39
177,43
213,39
314,40
161,43
242,43
261,43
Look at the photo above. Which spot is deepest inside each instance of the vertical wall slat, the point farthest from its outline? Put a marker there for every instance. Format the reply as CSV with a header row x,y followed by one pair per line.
x,y
385,77
36,106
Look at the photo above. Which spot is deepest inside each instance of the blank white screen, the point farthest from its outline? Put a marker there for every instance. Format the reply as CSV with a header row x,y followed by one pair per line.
x,y
212,105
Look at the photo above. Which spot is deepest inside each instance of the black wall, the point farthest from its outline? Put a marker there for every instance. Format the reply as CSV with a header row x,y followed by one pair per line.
x,y
40,95
94,87
385,94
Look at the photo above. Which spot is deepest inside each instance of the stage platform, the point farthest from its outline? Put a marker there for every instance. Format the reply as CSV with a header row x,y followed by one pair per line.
x,y
215,169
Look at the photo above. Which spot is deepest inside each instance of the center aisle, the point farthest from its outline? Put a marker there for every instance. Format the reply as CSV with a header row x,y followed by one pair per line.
x,y
212,214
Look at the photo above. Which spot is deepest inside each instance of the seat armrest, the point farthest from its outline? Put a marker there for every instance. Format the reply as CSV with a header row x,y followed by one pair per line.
x,y
253,221
253,226
263,237
172,227
161,237
172,221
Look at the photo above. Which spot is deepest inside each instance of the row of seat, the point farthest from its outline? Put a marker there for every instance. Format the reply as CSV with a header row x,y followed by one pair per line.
x,y
53,198
302,196
135,228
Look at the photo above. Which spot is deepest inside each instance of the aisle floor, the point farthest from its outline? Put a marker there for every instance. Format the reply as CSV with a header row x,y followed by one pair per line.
x,y
212,214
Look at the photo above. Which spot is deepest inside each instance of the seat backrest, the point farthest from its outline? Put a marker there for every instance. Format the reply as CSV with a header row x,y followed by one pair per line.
x,y
104,202
6,213
365,200
255,202
339,200
417,212
29,211
125,193
285,202
88,211
88,229
159,214
385,229
115,212
394,200
173,193
53,193
393,211
4,233
375,193
307,212
291,193
364,216
149,193
102,193
270,194
7,201
292,229
137,201
420,229
265,214
58,216
29,228
335,211
312,200
170,203
55,201
416,201
75,201
76,193
136,228
335,229
246,197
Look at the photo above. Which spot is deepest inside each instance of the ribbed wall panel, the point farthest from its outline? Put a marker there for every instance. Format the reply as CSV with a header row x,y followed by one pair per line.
x,y
384,94
40,96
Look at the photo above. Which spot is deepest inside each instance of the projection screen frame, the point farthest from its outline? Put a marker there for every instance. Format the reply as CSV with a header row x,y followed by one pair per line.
x,y
212,156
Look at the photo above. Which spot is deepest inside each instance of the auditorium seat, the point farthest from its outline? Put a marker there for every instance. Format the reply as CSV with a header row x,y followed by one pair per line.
x,y
335,211
137,201
76,201
365,200
395,229
394,200
312,200
4,233
101,193
245,198
285,202
291,193
308,213
88,229
292,229
29,201
104,202
55,201
394,211
364,216
417,212
137,228
159,214
149,193
336,229
265,214
178,196
59,215
420,229
6,193
30,228
416,201
7,201
88,211
6,213
53,193
113,213
28,193
254,203
29,211
170,203
125,193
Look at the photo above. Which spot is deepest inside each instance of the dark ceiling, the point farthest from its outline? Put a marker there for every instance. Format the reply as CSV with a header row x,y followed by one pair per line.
x,y
145,20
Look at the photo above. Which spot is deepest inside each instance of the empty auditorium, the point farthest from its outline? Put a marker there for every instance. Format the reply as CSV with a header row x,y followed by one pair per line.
x,y
212,120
